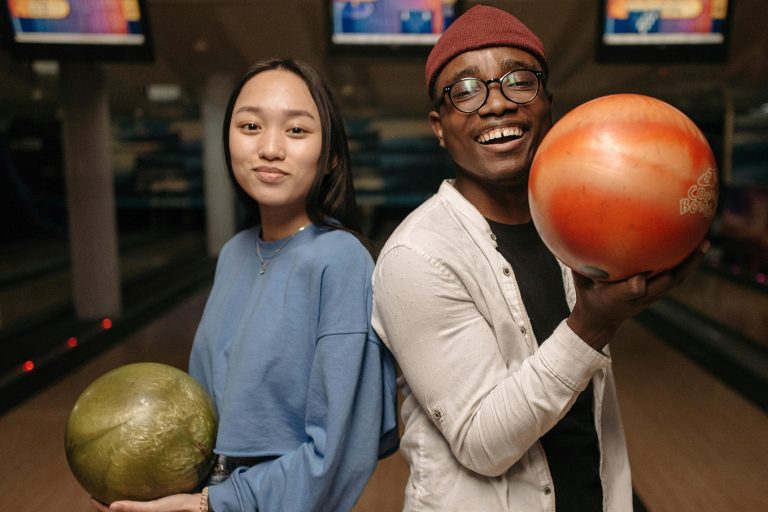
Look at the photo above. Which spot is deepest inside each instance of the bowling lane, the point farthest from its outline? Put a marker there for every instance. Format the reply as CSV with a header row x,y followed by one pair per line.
x,y
35,475
34,287
738,305
695,444
720,323
40,336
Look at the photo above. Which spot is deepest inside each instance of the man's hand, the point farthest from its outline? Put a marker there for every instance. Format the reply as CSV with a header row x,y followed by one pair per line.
x,y
601,307
174,503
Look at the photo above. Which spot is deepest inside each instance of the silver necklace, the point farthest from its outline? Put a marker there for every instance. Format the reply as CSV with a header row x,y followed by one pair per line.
x,y
265,261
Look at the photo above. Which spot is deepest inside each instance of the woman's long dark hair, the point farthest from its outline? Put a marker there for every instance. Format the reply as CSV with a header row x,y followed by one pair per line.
x,y
331,198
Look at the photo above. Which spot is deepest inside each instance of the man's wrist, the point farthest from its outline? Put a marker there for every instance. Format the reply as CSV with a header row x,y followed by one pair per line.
x,y
596,336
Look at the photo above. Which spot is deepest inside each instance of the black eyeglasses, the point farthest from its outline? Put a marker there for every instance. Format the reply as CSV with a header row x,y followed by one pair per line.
x,y
468,95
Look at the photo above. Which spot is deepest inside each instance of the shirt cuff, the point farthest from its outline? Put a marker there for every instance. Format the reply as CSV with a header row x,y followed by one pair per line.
x,y
570,358
222,496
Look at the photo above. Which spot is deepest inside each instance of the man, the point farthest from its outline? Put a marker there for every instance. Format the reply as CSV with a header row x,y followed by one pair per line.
x,y
509,400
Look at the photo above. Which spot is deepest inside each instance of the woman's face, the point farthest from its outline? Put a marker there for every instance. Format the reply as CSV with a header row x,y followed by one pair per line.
x,y
275,140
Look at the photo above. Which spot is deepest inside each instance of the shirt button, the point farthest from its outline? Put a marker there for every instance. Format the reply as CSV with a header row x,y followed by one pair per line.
x,y
493,237
507,271
547,490
523,330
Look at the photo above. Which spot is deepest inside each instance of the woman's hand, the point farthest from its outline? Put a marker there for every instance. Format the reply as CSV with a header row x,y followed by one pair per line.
x,y
174,503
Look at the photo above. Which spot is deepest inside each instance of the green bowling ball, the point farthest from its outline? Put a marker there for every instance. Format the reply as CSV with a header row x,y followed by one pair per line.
x,y
140,432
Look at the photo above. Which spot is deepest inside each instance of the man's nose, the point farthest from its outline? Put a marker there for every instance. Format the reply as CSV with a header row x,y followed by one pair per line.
x,y
497,103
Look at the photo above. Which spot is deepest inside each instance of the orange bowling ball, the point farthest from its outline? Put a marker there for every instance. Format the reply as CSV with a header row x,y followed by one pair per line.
x,y
621,185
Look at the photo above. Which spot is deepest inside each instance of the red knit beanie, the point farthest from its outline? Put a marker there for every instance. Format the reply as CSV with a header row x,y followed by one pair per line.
x,y
481,27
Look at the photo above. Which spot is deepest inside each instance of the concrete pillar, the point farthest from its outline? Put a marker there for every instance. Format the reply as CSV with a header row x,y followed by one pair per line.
x,y
219,195
90,191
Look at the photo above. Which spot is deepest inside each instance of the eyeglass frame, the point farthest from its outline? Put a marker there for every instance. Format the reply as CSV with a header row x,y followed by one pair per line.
x,y
447,89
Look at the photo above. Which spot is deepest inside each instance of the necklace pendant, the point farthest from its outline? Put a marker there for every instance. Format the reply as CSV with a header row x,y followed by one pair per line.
x,y
263,262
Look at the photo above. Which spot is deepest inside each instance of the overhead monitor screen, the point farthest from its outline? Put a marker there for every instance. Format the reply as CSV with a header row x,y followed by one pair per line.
x,y
695,29
77,28
390,22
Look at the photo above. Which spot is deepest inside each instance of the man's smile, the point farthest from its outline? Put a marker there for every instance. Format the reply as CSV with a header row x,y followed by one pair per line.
x,y
499,135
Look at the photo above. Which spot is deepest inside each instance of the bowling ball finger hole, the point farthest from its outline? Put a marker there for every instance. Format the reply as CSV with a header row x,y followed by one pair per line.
x,y
594,272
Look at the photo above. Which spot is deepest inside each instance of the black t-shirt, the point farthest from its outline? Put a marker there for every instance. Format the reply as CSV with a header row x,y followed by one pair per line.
x,y
571,446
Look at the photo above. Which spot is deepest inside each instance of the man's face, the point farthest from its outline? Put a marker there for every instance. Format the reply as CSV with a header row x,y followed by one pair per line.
x,y
494,146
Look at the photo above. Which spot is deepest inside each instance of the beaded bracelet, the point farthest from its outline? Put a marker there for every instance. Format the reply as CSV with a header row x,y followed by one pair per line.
x,y
204,500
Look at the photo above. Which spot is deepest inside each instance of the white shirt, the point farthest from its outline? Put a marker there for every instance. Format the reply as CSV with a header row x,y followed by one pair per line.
x,y
478,389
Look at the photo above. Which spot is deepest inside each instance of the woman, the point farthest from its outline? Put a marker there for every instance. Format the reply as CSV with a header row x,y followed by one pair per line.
x,y
303,387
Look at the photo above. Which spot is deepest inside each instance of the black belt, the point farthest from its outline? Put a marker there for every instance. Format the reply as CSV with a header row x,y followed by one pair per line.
x,y
224,465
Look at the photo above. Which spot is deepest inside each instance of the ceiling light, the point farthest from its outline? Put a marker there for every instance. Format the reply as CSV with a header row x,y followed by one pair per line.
x,y
46,67
163,93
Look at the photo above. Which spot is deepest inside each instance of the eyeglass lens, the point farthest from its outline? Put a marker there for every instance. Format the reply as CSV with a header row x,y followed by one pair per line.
x,y
469,94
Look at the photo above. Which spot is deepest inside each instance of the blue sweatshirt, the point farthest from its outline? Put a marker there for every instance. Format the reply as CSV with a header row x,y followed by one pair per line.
x,y
296,372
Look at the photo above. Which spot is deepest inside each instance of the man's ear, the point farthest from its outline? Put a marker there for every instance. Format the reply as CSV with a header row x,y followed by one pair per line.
x,y
437,126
